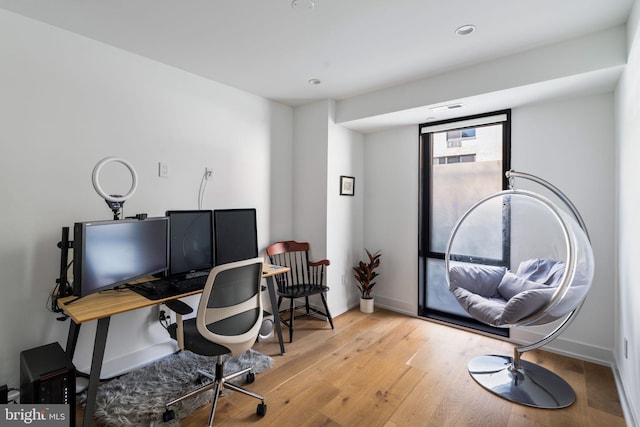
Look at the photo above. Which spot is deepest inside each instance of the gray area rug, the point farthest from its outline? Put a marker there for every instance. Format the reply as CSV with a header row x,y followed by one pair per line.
x,y
139,397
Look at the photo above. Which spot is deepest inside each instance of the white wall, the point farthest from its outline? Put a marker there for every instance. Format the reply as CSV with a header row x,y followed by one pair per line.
x,y
331,223
627,314
345,214
391,215
311,133
570,143
567,142
66,103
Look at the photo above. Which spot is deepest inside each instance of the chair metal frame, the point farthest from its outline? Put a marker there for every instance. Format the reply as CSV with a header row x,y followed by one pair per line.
x,y
511,377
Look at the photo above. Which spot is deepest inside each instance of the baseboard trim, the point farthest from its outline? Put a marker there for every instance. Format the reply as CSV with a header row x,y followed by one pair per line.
x,y
566,347
402,307
627,410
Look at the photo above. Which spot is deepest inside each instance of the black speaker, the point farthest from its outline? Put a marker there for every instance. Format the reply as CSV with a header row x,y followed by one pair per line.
x,y
47,375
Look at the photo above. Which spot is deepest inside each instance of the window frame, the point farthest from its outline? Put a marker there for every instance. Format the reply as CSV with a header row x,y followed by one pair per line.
x,y
424,237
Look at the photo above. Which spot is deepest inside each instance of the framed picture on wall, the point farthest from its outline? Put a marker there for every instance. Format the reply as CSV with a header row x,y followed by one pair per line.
x,y
347,185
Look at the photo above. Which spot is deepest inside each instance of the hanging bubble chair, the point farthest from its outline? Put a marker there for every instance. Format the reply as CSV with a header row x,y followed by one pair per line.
x,y
515,259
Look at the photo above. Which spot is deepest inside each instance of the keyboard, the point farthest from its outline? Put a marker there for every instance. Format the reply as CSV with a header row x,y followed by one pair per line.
x,y
189,285
164,288
153,290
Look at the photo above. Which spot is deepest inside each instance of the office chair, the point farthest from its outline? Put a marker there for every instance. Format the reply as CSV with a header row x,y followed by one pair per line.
x,y
306,278
228,321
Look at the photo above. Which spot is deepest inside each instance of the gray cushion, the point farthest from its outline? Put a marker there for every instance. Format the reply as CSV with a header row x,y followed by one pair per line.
x,y
542,270
478,279
498,297
525,304
511,285
487,310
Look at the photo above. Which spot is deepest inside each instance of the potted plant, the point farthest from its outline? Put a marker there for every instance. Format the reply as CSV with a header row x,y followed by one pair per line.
x,y
365,275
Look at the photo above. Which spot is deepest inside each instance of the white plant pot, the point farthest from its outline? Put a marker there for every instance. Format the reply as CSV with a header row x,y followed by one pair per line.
x,y
366,305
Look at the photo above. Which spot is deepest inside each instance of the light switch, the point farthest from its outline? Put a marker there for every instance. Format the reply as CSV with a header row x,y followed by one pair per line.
x,y
163,169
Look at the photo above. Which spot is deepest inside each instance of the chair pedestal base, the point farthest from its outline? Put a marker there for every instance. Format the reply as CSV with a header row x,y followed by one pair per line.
x,y
529,384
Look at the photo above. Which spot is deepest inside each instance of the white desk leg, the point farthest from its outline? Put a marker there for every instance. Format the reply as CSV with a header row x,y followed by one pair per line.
x,y
96,367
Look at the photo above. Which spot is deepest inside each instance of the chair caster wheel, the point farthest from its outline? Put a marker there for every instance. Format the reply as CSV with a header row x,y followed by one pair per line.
x,y
251,377
168,415
261,410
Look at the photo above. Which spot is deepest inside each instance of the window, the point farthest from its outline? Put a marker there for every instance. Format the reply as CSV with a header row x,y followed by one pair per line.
x,y
462,161
455,137
454,159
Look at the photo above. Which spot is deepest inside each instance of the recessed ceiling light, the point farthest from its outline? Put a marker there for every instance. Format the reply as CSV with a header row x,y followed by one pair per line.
x,y
302,5
315,81
465,30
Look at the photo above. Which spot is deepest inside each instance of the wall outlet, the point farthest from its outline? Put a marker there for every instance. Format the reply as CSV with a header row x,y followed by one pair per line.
x,y
163,169
164,314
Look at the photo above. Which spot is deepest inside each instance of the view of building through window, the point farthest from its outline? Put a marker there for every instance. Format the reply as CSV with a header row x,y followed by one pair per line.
x,y
460,165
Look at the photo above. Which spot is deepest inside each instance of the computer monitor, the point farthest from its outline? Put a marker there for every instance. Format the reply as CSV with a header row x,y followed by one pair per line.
x,y
235,235
109,253
190,242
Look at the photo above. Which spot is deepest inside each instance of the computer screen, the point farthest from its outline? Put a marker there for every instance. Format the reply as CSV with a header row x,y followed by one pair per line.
x,y
190,242
109,253
235,235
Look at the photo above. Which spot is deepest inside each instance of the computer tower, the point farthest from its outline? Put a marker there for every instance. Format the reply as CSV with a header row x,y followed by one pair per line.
x,y
47,375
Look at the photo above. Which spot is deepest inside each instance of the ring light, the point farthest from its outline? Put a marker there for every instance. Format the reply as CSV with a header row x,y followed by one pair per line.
x,y
98,188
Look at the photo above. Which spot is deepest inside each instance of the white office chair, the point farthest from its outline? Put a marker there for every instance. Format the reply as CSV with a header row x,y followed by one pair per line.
x,y
228,321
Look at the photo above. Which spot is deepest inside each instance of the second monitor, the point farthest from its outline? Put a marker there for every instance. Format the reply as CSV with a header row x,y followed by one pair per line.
x,y
235,235
190,243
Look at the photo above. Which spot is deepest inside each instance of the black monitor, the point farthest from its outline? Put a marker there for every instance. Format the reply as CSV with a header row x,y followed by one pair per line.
x,y
190,242
235,235
109,253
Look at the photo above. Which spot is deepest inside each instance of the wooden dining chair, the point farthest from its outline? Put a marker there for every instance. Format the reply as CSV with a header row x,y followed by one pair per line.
x,y
305,279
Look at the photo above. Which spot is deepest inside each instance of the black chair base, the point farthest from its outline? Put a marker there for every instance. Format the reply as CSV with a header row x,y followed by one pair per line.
x,y
218,383
528,384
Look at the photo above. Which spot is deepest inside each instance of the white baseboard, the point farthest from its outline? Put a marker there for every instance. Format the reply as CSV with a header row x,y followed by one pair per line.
x,y
566,347
403,307
629,416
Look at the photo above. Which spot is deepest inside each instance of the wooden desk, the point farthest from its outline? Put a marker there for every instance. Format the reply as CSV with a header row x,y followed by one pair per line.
x,y
101,306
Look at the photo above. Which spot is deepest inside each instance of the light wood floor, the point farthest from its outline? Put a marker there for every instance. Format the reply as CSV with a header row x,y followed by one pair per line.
x,y
386,369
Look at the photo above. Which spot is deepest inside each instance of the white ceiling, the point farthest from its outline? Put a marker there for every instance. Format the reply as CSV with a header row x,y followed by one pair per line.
x,y
270,48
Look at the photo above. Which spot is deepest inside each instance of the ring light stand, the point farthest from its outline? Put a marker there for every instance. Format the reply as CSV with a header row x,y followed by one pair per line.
x,y
114,201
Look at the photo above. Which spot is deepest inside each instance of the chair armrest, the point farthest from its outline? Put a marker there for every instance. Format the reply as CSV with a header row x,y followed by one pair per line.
x,y
317,271
179,307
